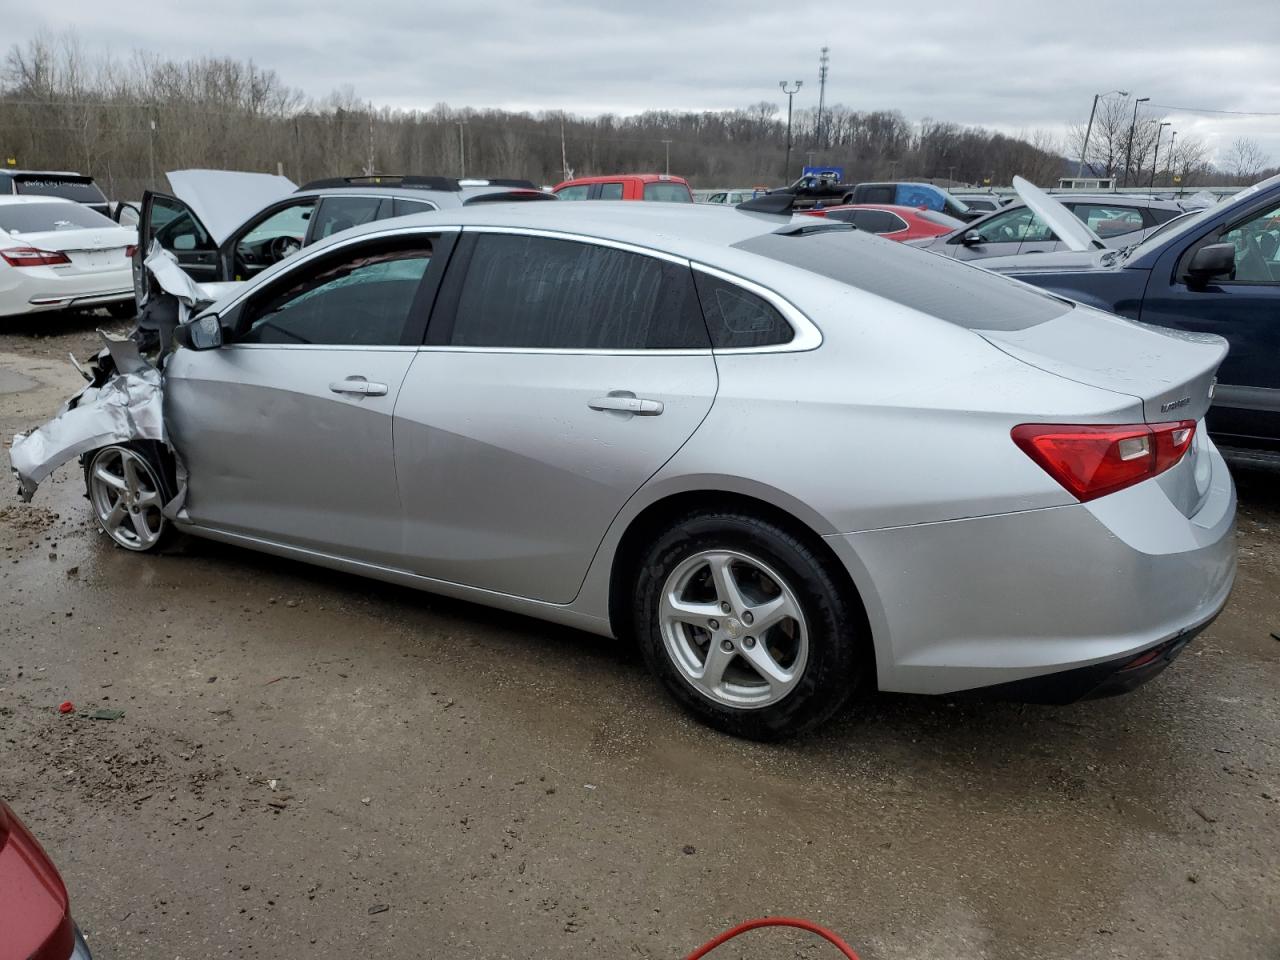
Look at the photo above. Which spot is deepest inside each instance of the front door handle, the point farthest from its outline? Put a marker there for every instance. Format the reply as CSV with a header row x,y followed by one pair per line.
x,y
624,401
359,386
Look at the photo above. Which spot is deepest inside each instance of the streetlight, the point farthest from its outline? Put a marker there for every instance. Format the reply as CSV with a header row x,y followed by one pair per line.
x,y
1089,129
786,165
667,144
1128,150
462,152
1171,163
1156,156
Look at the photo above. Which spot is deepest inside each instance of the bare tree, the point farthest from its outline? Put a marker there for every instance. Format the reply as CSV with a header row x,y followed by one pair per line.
x,y
1245,160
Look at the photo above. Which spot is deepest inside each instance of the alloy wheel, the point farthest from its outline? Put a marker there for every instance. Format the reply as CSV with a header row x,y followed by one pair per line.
x,y
126,498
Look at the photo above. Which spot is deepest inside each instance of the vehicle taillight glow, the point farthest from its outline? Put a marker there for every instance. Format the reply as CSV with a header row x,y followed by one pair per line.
x,y
31,257
1092,460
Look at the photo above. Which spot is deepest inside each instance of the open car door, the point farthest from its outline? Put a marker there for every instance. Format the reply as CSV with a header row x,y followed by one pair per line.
x,y
173,225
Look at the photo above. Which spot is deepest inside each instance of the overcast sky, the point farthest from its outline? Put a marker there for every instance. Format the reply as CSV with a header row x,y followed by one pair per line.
x,y
1013,66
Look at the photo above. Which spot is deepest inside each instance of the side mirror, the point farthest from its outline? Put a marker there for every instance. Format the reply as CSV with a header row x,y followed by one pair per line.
x,y
202,333
184,242
971,238
1210,262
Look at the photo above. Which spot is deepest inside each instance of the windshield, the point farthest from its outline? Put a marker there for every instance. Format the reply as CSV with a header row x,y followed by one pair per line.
x,y
1190,221
42,217
79,189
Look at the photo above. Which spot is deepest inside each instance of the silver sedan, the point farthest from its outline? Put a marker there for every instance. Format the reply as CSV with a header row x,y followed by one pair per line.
x,y
793,461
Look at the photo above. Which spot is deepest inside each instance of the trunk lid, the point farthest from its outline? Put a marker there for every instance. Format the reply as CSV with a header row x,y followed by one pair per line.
x,y
1170,371
90,249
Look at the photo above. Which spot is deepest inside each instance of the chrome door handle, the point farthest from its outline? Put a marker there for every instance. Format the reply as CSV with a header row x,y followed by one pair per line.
x,y
626,402
359,386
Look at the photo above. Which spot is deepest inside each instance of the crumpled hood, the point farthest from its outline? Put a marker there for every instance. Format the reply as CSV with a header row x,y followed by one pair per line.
x,y
224,199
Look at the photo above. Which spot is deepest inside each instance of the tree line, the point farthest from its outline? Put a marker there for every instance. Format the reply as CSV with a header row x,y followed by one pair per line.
x,y
126,121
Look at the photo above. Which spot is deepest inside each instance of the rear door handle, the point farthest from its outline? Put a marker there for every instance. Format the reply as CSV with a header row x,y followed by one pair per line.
x,y
624,401
359,386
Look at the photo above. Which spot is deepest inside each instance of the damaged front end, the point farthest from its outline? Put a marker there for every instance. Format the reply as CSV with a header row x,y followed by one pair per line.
x,y
123,400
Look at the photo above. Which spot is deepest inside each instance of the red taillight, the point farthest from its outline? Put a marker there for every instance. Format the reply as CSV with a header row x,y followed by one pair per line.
x,y
31,257
1092,461
130,250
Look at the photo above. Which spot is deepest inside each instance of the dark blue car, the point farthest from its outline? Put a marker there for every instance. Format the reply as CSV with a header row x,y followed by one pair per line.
x,y
1215,271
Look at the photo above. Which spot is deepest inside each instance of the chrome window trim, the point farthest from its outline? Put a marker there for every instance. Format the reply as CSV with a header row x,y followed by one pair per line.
x,y
396,348
807,335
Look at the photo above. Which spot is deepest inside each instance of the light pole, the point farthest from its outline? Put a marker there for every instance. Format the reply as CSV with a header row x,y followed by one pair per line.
x,y
667,144
1171,163
1084,150
1128,150
1156,156
786,165
462,150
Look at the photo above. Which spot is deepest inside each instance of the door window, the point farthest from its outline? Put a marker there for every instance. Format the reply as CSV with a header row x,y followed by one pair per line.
x,y
610,191
667,193
175,227
1108,220
288,223
362,298
1257,243
539,293
578,192
1014,226
871,221
342,213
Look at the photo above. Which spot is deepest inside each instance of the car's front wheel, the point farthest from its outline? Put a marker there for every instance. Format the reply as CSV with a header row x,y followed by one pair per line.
x,y
746,625
127,490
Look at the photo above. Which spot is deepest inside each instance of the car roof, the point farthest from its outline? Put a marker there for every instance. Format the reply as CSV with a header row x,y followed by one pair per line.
x,y
614,177
31,198
897,208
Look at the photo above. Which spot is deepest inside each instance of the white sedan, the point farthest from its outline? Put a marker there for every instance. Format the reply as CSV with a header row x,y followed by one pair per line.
x,y
57,254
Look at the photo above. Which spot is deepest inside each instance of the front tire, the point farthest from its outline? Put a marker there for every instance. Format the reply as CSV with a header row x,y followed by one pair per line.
x,y
745,625
127,488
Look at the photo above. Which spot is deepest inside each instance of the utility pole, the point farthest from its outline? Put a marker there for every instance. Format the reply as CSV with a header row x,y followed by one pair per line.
x,y
951,176
1084,150
1172,163
1156,156
368,167
1128,150
462,149
152,149
786,165
893,169
667,144
822,95
564,157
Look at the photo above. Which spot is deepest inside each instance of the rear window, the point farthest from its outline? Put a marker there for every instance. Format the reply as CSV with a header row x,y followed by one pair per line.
x,y
79,189
41,217
939,286
667,192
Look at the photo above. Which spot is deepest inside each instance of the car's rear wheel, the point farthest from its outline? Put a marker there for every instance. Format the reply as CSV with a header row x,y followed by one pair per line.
x,y
746,625
127,490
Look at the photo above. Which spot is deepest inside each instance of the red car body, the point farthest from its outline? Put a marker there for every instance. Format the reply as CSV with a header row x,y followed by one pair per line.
x,y
628,186
35,918
891,220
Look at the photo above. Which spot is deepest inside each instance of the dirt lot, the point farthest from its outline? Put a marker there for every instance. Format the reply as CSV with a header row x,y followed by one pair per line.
x,y
311,765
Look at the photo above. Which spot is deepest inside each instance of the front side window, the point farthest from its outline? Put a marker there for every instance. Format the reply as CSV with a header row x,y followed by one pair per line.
x,y
359,299
343,213
577,192
538,293
1014,226
610,191
289,223
175,226
1257,243
737,318
1107,220
667,193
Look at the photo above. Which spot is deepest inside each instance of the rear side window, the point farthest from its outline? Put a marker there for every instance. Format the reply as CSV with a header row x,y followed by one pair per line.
x,y
342,213
878,221
610,191
79,189
539,293
39,217
667,192
403,208
876,195
738,318
948,289
578,192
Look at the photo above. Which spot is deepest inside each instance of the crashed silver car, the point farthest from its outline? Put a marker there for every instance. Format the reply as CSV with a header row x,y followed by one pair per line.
x,y
792,460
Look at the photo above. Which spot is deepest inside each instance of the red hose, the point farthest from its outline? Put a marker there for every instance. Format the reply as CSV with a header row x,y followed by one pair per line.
x,y
808,925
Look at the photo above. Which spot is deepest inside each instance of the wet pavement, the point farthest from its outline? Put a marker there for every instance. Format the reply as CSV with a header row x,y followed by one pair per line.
x,y
314,765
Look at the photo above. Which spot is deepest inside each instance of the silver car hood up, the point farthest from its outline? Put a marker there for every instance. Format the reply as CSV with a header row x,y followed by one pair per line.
x,y
1070,229
224,199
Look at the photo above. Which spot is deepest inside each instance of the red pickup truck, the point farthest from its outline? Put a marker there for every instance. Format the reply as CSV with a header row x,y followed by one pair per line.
x,y
661,187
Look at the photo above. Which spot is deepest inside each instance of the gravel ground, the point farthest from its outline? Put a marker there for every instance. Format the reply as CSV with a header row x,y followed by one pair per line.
x,y
309,764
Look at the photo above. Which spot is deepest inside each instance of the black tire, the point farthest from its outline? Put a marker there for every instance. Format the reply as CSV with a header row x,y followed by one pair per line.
x,y
125,310
837,663
159,463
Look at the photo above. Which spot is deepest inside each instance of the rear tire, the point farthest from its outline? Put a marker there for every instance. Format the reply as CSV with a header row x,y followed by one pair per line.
x,y
127,485
745,625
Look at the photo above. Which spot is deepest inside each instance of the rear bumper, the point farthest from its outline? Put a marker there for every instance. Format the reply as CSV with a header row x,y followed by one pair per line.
x,y
1053,603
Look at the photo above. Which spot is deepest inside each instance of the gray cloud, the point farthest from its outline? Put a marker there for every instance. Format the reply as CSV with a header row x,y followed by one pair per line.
x,y
1013,66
